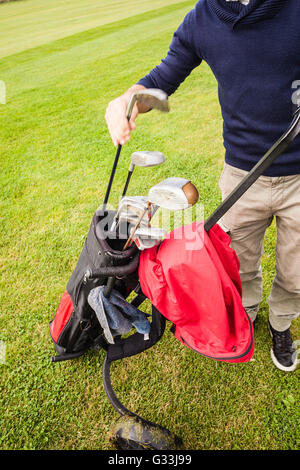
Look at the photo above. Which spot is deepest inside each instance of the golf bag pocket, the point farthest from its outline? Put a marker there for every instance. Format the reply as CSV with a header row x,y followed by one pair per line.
x,y
72,333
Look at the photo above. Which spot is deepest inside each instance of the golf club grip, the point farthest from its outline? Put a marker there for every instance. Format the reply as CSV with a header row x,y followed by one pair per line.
x,y
270,156
113,171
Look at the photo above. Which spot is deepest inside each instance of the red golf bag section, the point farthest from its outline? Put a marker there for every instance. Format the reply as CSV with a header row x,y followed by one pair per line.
x,y
63,315
193,280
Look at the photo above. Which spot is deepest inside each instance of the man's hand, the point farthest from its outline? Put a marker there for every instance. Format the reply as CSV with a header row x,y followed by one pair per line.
x,y
115,116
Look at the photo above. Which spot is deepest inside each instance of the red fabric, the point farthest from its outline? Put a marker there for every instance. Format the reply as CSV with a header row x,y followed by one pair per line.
x,y
193,280
62,316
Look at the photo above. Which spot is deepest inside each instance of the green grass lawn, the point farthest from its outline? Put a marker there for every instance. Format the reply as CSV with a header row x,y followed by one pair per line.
x,y
62,62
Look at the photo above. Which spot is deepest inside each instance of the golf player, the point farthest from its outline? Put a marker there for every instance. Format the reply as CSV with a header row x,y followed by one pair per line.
x,y
252,48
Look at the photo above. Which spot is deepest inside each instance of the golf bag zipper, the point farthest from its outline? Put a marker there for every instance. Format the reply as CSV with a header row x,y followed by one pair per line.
x,y
83,281
225,358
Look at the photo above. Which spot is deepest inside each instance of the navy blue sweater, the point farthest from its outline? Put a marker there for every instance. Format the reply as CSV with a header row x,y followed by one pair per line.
x,y
254,53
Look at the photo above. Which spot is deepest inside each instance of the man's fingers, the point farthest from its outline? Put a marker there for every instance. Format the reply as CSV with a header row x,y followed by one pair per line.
x,y
117,123
132,125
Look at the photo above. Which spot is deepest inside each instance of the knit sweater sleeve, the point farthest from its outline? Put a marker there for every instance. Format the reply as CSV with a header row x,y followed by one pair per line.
x,y
181,59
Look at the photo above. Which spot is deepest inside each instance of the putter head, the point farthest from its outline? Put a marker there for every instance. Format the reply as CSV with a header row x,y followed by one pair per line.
x,y
145,158
150,233
154,98
147,237
174,194
144,244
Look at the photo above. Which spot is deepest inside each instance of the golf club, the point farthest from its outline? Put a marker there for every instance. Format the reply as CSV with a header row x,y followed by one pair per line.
x,y
171,194
147,237
143,159
130,208
154,99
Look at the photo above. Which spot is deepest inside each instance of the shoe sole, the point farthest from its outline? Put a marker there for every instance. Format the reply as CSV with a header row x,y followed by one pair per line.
x,y
277,364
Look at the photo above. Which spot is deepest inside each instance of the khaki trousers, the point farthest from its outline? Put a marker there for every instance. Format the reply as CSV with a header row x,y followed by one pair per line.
x,y
247,222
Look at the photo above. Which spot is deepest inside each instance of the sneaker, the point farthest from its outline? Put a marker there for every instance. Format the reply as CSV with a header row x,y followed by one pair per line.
x,y
283,353
252,312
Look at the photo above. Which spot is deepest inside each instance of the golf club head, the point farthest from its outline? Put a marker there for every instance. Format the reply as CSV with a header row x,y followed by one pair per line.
x,y
130,208
174,194
131,219
151,233
145,244
145,158
153,98
147,237
134,204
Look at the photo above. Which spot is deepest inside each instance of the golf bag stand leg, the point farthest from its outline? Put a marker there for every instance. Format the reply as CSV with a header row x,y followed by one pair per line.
x,y
132,432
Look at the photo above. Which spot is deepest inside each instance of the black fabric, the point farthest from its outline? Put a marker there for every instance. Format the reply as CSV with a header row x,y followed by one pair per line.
x,y
83,330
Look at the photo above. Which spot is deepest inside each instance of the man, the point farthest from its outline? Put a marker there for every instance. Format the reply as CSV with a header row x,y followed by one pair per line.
x,y
252,47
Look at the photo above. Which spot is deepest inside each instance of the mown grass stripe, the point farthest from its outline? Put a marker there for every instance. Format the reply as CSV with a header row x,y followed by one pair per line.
x,y
74,40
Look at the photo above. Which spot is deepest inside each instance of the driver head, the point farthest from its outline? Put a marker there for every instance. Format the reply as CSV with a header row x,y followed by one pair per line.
x,y
174,194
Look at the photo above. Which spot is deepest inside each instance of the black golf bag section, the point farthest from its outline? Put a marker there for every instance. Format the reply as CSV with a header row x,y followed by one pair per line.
x,y
75,327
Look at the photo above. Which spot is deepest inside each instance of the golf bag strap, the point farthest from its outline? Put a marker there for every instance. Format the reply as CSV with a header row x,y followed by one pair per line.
x,y
135,343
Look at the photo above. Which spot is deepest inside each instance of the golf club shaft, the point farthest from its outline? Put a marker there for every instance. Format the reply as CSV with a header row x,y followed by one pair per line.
x,y
129,240
270,156
115,223
127,183
113,171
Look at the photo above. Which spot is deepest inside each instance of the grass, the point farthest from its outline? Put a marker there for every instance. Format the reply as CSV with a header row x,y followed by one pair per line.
x,y
62,62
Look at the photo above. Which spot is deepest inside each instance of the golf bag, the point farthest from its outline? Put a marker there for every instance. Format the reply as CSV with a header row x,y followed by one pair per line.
x,y
75,327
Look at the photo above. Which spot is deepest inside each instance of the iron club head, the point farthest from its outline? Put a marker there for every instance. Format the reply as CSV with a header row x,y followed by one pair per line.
x,y
154,98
